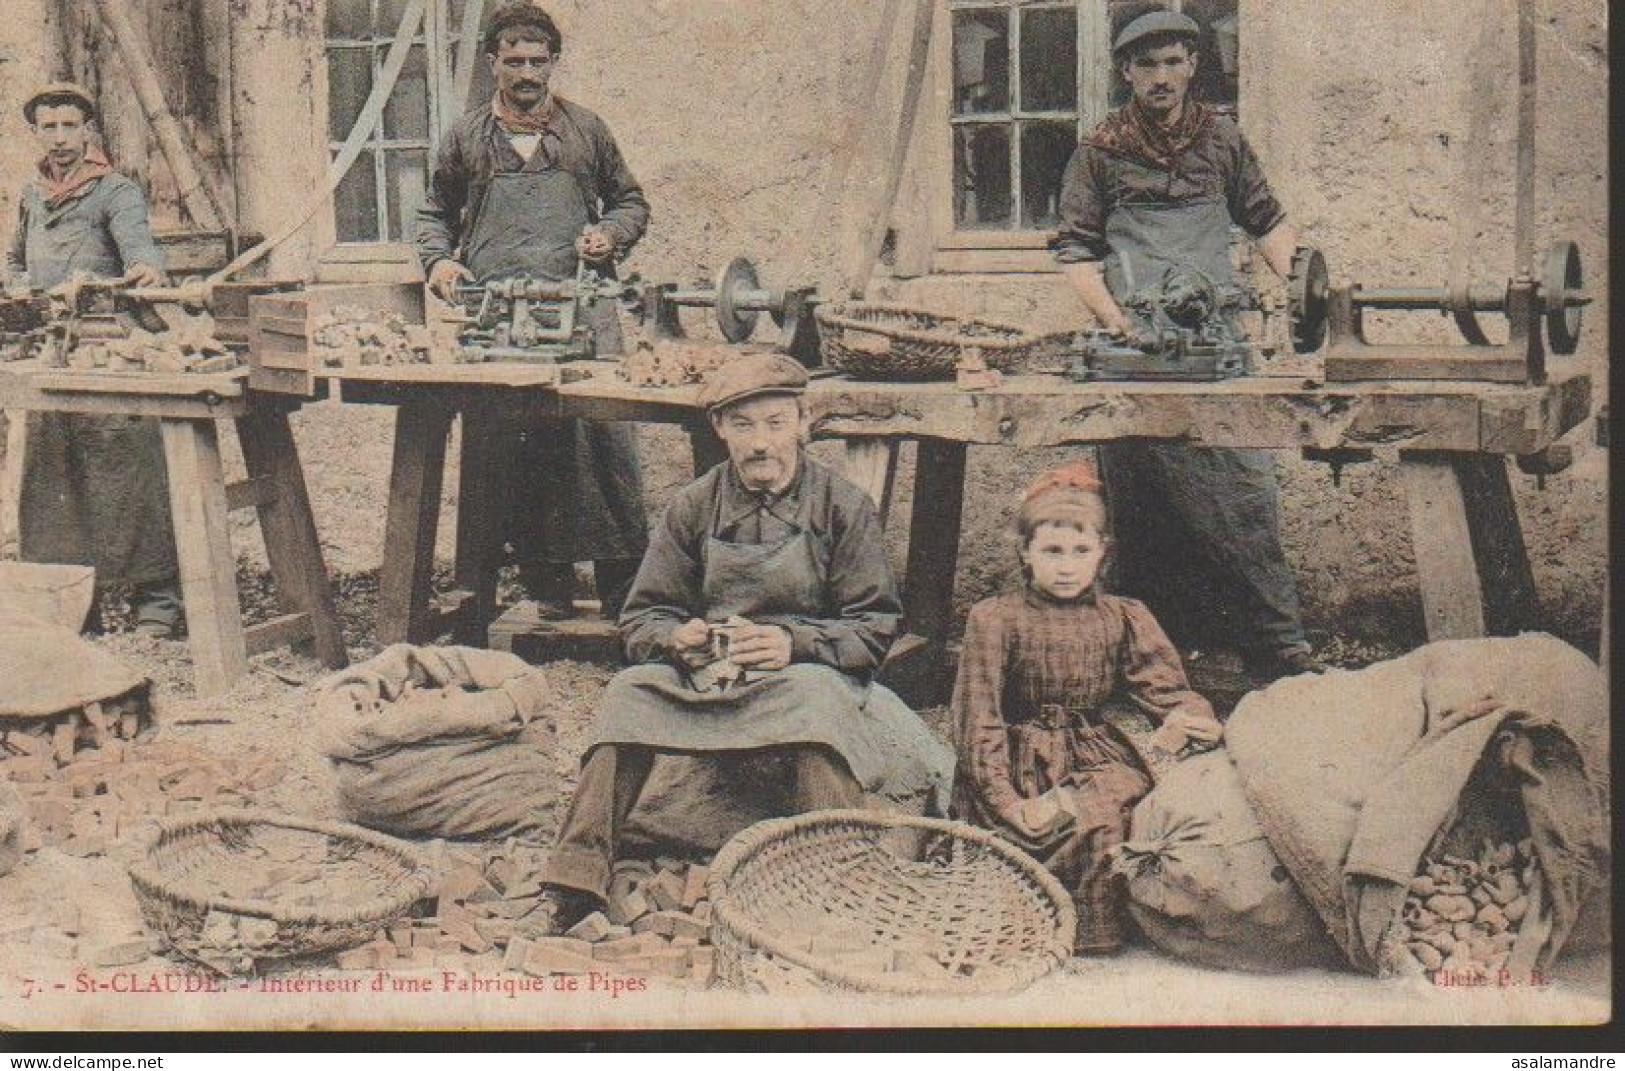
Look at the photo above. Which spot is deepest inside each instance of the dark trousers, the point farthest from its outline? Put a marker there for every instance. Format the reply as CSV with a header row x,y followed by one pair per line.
x,y
1198,541
612,778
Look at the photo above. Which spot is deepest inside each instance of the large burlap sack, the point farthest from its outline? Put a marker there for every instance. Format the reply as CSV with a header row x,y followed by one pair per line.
x,y
32,682
1203,883
13,815
1354,776
443,742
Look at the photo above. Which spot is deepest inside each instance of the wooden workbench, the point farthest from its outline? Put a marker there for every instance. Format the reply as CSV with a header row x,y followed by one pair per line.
x,y
1451,439
187,407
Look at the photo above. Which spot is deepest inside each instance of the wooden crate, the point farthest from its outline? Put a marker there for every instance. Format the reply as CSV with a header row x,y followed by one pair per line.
x,y
280,357
228,304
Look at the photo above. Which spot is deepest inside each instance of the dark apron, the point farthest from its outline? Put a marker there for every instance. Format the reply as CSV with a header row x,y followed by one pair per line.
x,y
588,496
1198,529
885,744
1150,241
94,488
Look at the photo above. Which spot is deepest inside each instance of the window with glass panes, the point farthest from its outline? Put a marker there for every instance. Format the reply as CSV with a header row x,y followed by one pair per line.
x,y
1032,77
384,187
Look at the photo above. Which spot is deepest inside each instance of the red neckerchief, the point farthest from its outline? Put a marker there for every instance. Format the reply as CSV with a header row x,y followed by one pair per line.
x,y
60,188
520,123
1131,133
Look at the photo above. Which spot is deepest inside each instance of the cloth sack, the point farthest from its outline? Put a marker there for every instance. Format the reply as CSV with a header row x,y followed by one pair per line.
x,y
1354,775
442,742
32,682
1203,883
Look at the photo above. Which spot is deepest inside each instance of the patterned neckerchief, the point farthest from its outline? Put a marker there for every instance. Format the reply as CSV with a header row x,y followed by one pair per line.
x,y
1130,133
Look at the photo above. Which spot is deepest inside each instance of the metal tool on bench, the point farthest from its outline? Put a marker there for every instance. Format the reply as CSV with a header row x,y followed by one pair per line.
x,y
25,322
1186,328
1542,305
98,310
536,320
739,299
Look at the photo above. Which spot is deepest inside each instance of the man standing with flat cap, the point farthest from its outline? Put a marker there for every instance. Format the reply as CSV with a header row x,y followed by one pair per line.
x,y
1157,186
785,560
94,489
532,184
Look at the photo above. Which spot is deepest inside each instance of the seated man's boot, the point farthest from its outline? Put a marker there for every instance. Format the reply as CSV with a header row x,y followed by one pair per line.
x,y
557,912
157,611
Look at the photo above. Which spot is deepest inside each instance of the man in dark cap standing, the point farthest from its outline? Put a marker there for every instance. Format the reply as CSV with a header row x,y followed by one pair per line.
x,y
531,184
777,565
1158,185
94,489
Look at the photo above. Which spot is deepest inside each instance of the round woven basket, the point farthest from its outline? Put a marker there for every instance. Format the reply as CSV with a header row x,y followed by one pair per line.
x,y
891,342
857,901
234,889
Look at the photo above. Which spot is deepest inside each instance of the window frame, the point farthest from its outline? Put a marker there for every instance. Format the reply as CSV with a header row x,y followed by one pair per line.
x,y
440,38
1017,248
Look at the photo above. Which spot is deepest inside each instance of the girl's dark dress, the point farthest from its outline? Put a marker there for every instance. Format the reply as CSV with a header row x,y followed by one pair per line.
x,y
1033,678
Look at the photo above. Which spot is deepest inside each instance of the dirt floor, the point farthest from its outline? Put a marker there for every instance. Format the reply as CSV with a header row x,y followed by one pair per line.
x,y
64,912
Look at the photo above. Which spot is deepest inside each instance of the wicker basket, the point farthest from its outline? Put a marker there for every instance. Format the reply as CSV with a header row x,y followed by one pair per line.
x,y
203,887
891,342
984,916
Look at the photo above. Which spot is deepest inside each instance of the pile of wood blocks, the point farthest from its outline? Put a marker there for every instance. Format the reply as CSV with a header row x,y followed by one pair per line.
x,y
1462,915
351,336
188,346
657,923
95,777
666,363
56,929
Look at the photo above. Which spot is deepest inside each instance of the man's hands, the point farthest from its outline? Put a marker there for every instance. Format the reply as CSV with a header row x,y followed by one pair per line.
x,y
595,244
144,275
759,646
691,643
1184,727
765,647
444,277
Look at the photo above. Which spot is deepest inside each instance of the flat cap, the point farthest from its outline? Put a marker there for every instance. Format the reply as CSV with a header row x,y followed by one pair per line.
x,y
752,376
60,93
1154,24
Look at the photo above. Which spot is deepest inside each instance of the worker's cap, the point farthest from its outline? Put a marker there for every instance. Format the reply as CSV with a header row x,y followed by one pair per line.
x,y
752,376
60,93
1156,24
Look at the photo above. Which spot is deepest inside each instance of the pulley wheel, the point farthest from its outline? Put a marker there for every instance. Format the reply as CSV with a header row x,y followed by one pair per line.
x,y
1308,299
738,277
1562,295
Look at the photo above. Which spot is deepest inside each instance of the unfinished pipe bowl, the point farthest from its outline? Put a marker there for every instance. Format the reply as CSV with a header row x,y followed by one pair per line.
x,y
865,902
892,342
235,890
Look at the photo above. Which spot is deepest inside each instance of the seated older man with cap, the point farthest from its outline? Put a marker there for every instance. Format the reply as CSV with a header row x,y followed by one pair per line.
x,y
763,607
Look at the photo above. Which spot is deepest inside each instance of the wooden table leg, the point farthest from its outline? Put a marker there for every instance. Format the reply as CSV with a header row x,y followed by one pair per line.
x,y
481,502
197,500
416,477
915,667
1472,566
11,481
291,542
872,465
933,538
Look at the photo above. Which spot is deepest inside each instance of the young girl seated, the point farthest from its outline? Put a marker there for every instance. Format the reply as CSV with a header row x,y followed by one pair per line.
x,y
1036,762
